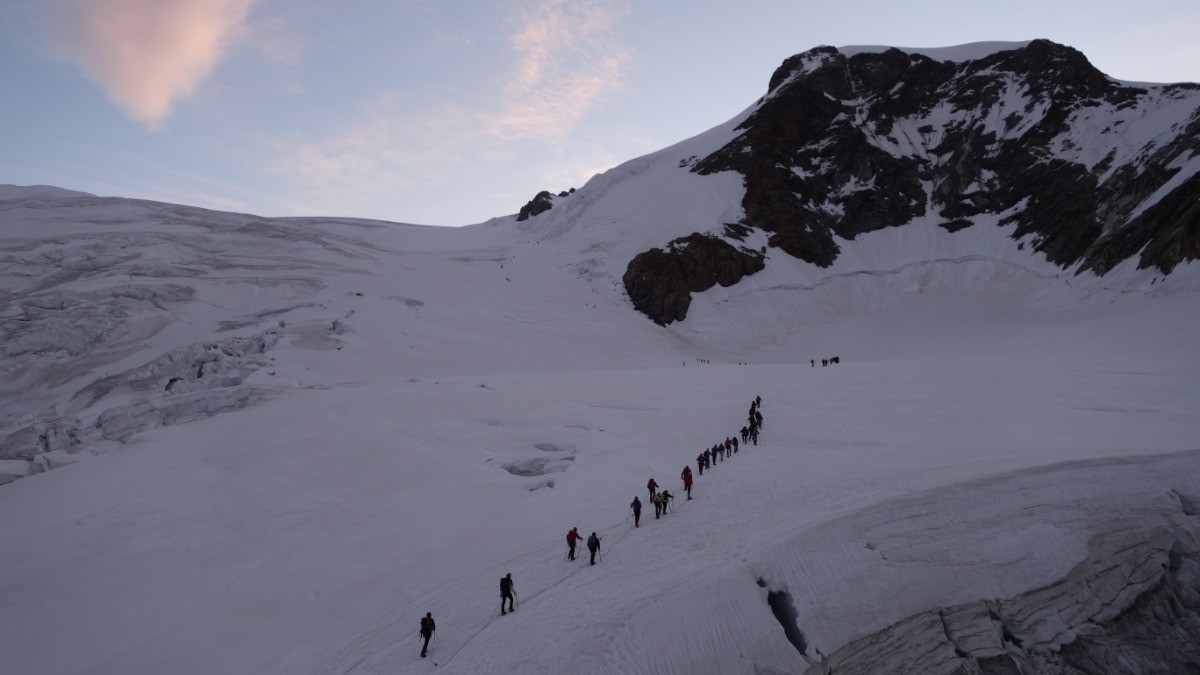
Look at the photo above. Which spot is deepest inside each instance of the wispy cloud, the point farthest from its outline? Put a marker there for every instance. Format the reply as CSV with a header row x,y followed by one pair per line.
x,y
566,59
569,61
147,54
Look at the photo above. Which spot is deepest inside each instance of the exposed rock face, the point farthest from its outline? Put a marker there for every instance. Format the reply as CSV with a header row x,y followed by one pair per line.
x,y
543,202
660,281
1032,137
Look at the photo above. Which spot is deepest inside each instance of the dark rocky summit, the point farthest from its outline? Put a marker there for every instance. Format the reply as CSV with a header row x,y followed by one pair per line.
x,y
844,145
541,203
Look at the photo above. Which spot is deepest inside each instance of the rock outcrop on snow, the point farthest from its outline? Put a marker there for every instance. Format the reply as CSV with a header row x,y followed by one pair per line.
x,y
541,203
1090,170
660,281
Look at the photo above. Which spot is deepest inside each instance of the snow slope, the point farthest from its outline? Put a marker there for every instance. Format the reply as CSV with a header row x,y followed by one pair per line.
x,y
967,52
995,424
11,192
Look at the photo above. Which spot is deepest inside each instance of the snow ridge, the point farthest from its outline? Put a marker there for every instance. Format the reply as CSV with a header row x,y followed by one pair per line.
x,y
972,51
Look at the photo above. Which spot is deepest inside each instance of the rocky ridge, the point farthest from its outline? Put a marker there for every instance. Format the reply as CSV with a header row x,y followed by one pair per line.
x,y
1090,170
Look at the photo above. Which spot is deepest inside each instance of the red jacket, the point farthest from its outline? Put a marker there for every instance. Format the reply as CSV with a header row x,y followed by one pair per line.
x,y
573,537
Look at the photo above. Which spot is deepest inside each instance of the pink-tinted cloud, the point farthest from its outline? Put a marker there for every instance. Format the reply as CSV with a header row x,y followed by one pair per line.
x,y
569,61
147,54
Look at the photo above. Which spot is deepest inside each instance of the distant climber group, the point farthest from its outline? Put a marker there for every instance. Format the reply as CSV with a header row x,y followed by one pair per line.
x,y
661,499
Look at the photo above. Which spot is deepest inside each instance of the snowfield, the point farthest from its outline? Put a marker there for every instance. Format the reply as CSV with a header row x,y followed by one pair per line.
x,y
314,431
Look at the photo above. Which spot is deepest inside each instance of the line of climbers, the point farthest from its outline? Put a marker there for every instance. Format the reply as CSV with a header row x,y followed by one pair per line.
x,y
660,499
717,453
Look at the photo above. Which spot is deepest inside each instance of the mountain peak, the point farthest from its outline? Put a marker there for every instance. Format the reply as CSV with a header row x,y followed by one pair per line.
x,y
1086,170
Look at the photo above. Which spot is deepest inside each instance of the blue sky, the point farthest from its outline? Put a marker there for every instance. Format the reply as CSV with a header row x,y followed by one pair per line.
x,y
448,112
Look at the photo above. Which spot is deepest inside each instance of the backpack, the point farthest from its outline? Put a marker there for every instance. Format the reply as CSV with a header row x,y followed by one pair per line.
x,y
593,542
505,585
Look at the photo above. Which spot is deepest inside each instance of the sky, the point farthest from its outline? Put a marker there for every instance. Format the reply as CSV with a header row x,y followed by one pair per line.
x,y
449,112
